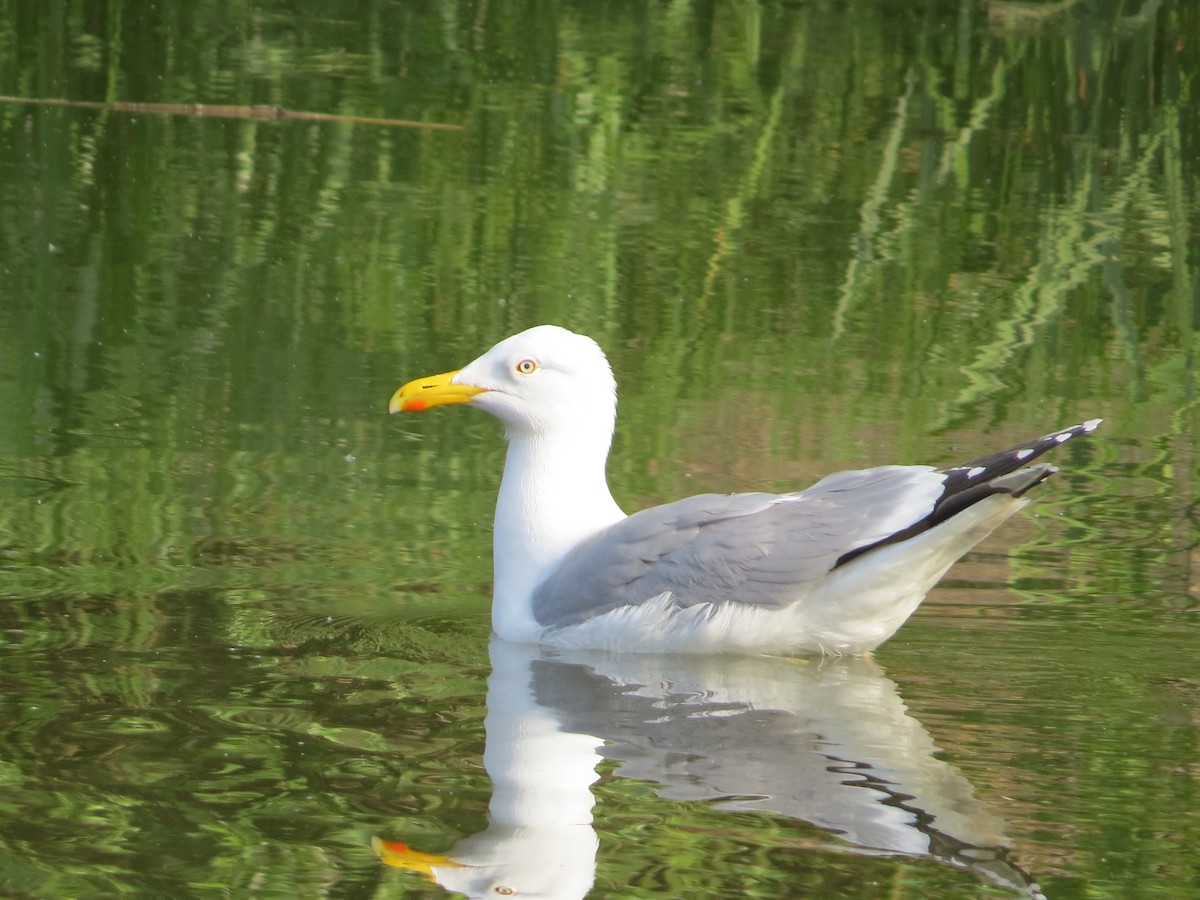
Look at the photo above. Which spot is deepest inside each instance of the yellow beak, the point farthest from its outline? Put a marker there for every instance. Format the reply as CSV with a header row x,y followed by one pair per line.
x,y
399,856
433,390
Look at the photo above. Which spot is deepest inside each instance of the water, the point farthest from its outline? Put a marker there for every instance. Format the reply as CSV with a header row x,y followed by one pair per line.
x,y
245,611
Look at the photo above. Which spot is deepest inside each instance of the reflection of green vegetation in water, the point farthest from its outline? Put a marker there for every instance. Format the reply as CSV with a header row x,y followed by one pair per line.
x,y
801,256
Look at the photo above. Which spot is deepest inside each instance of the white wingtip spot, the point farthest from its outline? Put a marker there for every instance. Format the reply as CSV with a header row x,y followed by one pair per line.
x,y
975,471
1091,425
1025,454
1063,436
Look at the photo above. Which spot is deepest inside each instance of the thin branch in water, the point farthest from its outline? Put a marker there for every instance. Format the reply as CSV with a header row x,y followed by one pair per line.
x,y
256,113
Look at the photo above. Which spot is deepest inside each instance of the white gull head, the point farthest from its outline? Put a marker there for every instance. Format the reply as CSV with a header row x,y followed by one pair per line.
x,y
546,380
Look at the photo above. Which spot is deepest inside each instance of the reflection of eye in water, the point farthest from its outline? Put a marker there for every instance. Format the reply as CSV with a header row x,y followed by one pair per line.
x,y
827,742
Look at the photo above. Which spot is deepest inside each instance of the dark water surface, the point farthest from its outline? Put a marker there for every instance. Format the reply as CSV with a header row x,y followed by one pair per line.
x,y
245,612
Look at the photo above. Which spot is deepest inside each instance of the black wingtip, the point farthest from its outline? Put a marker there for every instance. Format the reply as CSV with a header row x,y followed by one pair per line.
x,y
994,465
1006,472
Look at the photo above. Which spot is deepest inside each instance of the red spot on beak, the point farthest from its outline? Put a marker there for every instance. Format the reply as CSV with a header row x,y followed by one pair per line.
x,y
415,405
395,846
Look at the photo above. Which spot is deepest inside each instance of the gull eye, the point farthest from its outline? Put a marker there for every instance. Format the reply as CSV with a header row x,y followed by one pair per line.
x,y
502,889
526,366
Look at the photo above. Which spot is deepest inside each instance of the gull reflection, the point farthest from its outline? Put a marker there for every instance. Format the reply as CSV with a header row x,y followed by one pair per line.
x,y
826,741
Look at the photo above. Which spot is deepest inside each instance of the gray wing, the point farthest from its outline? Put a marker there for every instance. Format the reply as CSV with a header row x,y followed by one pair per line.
x,y
758,549
764,549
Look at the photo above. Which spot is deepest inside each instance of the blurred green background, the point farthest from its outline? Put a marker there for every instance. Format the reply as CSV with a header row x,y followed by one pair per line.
x,y
811,236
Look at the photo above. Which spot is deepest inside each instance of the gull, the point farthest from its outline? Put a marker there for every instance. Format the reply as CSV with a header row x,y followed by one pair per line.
x,y
834,569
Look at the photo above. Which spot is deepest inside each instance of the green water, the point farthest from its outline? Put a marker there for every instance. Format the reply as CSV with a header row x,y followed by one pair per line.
x,y
244,611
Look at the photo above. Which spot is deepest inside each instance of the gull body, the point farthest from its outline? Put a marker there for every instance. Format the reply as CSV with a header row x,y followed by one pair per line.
x,y
834,569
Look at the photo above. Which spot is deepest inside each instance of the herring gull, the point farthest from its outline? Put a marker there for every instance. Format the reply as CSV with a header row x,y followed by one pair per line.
x,y
834,569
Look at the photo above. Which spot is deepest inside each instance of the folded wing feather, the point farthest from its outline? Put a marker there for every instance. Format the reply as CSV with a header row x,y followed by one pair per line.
x,y
759,549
